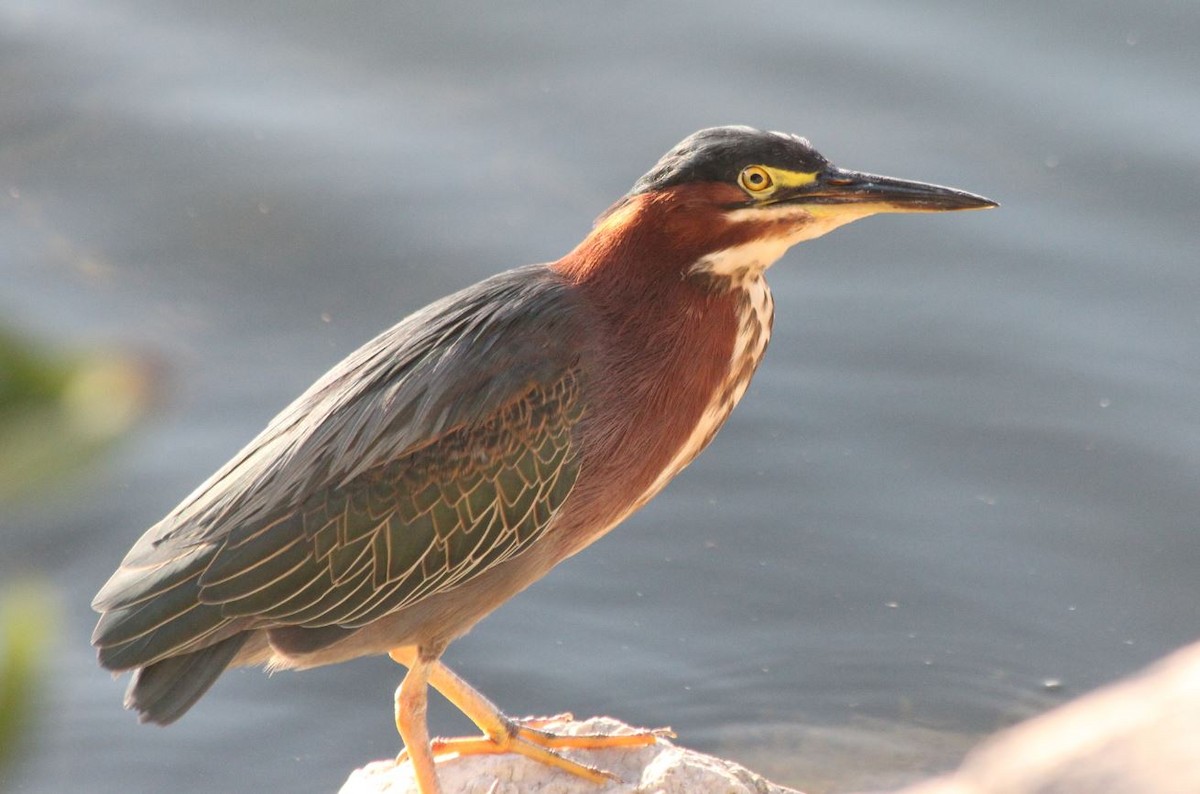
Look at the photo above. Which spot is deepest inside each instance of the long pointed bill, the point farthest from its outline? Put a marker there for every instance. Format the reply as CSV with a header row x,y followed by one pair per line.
x,y
835,186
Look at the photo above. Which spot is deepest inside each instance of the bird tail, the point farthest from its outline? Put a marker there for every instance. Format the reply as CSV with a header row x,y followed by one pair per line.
x,y
163,691
154,624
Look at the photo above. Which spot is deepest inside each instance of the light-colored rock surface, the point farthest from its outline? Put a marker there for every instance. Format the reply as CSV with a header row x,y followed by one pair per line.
x,y
1139,736
661,768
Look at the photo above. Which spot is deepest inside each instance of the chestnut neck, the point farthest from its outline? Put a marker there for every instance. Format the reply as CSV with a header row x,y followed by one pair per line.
x,y
665,341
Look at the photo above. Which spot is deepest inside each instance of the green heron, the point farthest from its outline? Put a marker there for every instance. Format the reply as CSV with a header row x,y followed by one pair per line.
x,y
459,456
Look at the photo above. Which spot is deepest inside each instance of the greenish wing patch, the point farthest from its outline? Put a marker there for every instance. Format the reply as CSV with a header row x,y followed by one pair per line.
x,y
418,525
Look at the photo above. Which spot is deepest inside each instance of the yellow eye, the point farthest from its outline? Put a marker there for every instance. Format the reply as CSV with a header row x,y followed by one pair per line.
x,y
755,179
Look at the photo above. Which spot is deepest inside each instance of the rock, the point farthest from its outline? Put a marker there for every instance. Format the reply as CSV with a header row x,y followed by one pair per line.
x,y
1138,736
661,768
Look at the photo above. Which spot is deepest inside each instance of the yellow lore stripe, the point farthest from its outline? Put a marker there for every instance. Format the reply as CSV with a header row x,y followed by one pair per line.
x,y
785,178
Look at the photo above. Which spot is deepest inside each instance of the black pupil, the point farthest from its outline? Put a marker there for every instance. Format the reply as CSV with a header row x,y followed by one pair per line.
x,y
756,179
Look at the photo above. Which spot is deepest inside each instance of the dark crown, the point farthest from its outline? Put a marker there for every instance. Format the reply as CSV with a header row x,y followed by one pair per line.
x,y
718,154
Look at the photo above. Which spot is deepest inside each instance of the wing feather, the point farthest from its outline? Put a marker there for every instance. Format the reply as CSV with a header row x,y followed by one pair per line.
x,y
389,562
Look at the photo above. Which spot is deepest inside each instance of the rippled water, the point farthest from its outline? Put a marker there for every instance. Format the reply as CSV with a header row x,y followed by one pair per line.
x,y
962,488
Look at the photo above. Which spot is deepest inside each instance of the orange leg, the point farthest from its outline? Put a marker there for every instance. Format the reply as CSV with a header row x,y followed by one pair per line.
x,y
503,734
412,697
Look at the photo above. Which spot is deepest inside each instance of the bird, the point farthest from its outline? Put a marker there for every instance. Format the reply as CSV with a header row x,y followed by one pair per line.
x,y
457,457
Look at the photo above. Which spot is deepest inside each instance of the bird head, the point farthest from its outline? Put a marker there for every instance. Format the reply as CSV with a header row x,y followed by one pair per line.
x,y
731,200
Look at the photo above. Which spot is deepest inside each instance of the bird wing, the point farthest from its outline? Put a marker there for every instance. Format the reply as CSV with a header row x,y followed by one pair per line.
x,y
436,450
416,526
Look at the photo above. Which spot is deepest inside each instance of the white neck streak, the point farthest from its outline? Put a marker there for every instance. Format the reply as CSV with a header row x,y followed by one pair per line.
x,y
793,224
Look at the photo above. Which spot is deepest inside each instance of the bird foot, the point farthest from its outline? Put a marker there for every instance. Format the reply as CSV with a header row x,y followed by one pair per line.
x,y
527,736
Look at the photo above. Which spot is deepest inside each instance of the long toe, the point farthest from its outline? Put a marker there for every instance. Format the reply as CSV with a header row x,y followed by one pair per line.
x,y
486,746
533,730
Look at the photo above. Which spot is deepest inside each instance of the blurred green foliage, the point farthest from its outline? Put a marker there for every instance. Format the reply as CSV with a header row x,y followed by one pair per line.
x,y
28,615
58,413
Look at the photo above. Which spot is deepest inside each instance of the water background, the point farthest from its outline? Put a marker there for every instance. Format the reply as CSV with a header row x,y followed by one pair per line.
x,y
962,488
